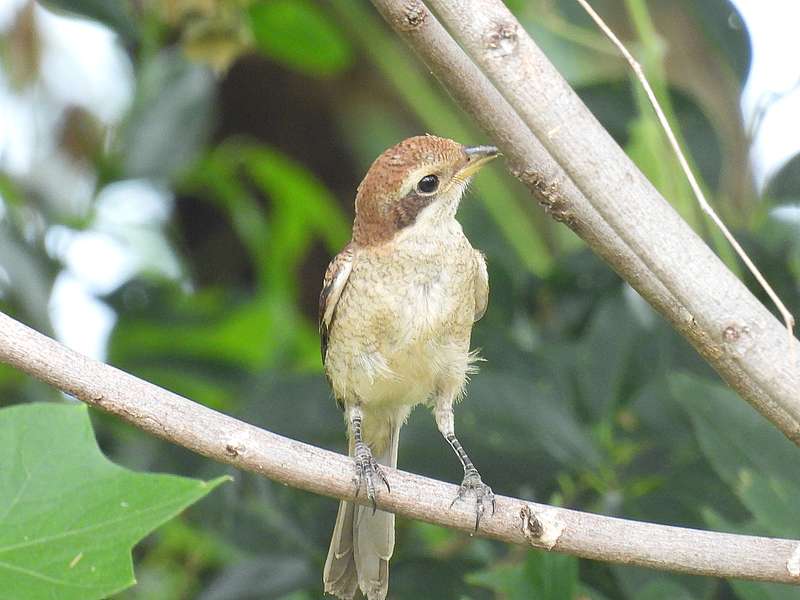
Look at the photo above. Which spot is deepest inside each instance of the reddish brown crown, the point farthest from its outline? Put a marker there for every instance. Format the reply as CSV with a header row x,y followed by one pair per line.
x,y
381,192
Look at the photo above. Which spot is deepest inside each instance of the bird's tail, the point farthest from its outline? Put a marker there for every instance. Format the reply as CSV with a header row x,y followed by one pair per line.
x,y
362,543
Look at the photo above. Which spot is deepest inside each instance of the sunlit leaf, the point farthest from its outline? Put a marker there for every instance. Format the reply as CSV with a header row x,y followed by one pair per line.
x,y
298,34
70,516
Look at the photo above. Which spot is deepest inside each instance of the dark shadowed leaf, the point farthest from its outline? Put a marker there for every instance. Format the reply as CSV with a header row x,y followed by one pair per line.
x,y
785,184
732,435
533,413
663,589
758,463
543,576
603,355
263,577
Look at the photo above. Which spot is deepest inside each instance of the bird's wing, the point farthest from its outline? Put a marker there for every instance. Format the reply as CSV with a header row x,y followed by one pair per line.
x,y
335,281
481,282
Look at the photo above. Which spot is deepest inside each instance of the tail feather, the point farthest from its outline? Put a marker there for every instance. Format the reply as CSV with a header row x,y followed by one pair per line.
x,y
362,544
339,575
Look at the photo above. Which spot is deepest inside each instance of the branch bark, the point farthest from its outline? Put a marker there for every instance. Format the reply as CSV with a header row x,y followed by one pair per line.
x,y
227,440
584,179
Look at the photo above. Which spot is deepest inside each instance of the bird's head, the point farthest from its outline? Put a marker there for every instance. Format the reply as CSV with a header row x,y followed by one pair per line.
x,y
419,181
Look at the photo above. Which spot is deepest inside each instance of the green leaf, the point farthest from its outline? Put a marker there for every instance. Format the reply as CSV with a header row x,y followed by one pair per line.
x,y
554,576
297,34
731,434
508,580
69,515
785,184
663,589
530,412
170,119
543,576
601,374
271,575
748,453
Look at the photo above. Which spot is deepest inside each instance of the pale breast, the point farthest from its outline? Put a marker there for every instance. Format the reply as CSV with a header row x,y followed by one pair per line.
x,y
404,320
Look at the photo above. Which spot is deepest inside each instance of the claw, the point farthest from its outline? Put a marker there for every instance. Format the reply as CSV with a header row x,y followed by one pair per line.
x,y
473,483
366,470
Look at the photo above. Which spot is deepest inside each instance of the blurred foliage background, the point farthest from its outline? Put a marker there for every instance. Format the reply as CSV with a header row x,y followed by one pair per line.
x,y
180,227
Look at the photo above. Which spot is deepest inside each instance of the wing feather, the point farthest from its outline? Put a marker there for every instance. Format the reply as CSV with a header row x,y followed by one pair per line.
x,y
334,283
481,282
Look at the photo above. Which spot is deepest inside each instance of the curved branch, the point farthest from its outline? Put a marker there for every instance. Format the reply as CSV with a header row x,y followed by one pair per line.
x,y
584,179
225,439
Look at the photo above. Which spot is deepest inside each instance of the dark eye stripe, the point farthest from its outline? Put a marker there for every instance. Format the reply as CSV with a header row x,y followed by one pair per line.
x,y
405,211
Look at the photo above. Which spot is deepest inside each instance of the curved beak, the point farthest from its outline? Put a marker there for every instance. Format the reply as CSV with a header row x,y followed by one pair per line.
x,y
477,156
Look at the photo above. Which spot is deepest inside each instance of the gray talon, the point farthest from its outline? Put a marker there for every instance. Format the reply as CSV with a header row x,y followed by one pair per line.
x,y
366,470
473,483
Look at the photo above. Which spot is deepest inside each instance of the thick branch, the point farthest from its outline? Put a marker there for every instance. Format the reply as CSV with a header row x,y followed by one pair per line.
x,y
577,170
300,465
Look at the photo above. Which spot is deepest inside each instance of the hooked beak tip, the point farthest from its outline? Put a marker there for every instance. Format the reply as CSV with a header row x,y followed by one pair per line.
x,y
486,152
477,156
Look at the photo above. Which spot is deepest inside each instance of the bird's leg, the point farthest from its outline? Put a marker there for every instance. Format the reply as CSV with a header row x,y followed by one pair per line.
x,y
472,479
366,466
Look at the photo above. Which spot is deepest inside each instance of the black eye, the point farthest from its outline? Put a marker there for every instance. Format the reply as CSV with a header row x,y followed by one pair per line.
x,y
428,184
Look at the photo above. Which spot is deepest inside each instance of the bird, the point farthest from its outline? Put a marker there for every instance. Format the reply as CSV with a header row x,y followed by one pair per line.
x,y
396,312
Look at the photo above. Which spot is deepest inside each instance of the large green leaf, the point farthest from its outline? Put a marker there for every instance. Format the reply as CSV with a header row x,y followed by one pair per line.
x,y
530,412
299,35
749,454
69,516
601,374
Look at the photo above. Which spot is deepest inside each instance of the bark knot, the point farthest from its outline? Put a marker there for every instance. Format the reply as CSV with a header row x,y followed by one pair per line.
x,y
738,338
731,333
501,39
542,529
414,15
235,449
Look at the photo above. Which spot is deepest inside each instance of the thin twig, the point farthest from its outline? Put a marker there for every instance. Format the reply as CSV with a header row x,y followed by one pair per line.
x,y
788,318
227,440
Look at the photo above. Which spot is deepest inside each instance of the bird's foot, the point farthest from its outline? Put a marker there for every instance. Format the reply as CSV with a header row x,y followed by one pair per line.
x,y
483,493
367,468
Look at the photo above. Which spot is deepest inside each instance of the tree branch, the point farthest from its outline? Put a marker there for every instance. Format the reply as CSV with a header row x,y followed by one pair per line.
x,y
582,177
313,469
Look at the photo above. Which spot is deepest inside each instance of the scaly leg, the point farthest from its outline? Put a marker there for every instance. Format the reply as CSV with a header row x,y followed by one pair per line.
x,y
366,466
472,479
